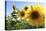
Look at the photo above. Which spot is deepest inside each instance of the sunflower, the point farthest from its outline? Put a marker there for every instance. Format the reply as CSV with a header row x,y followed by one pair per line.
x,y
36,16
27,9
22,14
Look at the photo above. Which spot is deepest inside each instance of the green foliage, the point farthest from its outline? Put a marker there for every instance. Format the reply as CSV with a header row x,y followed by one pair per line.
x,y
22,25
12,25
13,14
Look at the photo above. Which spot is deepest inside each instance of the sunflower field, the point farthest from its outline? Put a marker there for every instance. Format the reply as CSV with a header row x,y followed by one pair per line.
x,y
30,17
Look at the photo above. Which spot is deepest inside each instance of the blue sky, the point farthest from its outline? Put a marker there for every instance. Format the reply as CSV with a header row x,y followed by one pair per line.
x,y
19,4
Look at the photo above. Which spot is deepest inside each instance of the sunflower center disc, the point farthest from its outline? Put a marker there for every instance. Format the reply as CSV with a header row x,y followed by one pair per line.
x,y
22,14
26,8
34,15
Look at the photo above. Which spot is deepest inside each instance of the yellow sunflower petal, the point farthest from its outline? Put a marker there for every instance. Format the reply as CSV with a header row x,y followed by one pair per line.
x,y
38,7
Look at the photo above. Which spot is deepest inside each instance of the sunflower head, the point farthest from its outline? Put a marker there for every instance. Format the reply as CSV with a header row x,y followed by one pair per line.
x,y
36,16
25,8
22,14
